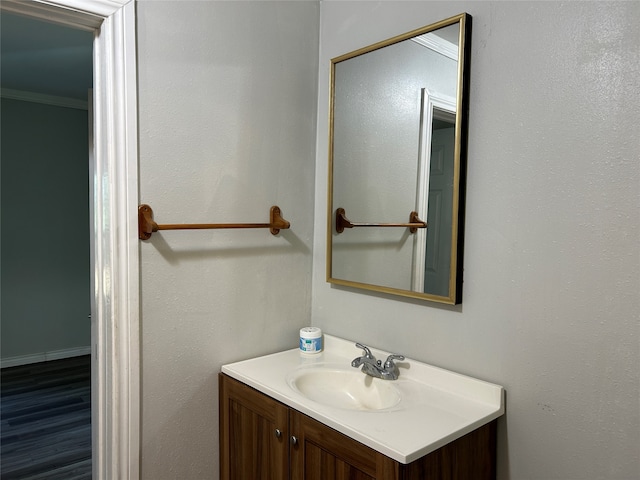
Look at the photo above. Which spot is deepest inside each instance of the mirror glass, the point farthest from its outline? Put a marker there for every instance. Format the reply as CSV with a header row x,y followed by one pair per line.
x,y
397,164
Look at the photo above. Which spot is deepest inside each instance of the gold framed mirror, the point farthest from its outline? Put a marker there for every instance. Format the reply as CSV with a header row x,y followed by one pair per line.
x,y
397,163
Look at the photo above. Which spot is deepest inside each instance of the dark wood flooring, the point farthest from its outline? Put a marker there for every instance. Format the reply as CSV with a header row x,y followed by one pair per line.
x,y
46,420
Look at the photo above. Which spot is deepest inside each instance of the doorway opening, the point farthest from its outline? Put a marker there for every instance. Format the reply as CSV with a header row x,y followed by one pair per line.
x,y
113,226
46,271
432,246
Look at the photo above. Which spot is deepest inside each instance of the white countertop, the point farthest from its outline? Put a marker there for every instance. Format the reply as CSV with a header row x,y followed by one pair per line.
x,y
437,406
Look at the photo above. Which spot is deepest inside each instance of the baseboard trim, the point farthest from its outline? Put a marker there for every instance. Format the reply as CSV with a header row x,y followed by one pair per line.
x,y
44,356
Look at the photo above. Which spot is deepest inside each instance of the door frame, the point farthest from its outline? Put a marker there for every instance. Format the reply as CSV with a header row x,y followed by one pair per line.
x,y
430,101
115,307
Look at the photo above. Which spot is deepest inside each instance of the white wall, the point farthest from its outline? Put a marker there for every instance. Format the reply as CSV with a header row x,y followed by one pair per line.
x,y
552,246
227,112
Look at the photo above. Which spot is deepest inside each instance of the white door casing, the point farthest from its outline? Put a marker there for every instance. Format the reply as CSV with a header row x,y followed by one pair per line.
x,y
115,251
430,102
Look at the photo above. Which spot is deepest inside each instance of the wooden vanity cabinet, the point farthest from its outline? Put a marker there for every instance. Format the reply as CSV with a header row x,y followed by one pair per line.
x,y
263,439
254,433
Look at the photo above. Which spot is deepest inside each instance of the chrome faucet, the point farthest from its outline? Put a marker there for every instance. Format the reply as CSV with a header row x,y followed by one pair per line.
x,y
373,367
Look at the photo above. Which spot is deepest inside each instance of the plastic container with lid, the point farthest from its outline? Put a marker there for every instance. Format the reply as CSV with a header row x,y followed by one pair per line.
x,y
310,340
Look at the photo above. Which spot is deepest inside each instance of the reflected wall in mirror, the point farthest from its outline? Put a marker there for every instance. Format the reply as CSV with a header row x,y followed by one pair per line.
x,y
398,127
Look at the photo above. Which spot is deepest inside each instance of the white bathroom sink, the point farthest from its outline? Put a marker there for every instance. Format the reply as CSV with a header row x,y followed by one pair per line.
x,y
349,389
424,409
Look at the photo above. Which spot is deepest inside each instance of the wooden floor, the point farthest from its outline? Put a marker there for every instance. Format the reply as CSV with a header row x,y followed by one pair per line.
x,y
46,420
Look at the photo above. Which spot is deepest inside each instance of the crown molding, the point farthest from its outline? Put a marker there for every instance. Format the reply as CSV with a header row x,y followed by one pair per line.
x,y
438,44
84,14
44,99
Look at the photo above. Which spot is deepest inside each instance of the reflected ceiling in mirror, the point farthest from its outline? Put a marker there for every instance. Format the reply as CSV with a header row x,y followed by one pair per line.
x,y
398,123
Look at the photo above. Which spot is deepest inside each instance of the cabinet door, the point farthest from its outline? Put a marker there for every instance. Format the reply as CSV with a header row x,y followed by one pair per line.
x,y
254,434
321,453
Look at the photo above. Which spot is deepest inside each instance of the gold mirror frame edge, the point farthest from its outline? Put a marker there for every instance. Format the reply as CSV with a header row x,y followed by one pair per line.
x,y
460,18
394,291
457,237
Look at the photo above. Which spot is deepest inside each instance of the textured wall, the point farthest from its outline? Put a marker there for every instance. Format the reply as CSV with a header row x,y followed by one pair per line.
x,y
227,108
550,309
45,229
552,255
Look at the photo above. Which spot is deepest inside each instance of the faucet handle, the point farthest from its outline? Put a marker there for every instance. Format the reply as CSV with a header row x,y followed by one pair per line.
x,y
367,352
391,358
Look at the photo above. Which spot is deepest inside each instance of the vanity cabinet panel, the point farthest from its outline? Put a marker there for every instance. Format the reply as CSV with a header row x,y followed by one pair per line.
x,y
321,453
250,445
250,449
472,457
